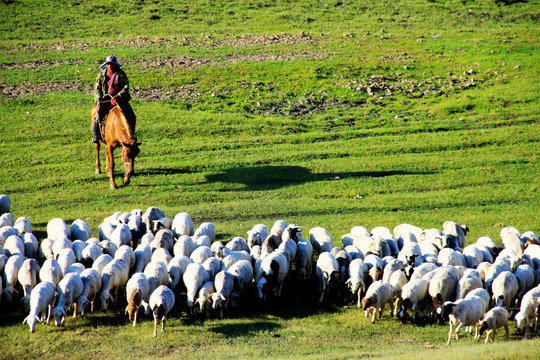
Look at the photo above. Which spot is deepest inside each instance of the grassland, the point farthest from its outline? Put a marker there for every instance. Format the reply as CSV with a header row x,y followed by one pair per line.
x,y
332,114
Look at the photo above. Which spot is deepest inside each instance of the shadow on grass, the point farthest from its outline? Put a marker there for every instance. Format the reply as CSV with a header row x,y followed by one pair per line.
x,y
273,177
240,330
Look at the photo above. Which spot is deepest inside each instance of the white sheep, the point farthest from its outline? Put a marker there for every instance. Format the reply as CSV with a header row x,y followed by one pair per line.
x,y
205,297
137,290
448,256
357,277
11,270
398,279
143,256
6,219
58,229
78,246
61,244
200,254
528,311
184,246
182,225
164,238
80,230
194,277
442,286
504,288
213,266
406,232
28,275
157,274
203,240
65,259
257,235
463,312
14,245
151,214
76,268
41,301
511,239
278,228
304,259
126,253
525,275
101,261
321,240
161,302
51,271
113,277
423,269
90,253
493,271
292,232
458,231
91,285
176,268
121,235
161,254
224,284
31,245
5,204
377,295
163,223
327,270
273,270
469,281
288,248
69,289
270,244
494,319
242,271
473,255
411,254
238,243
413,294
206,228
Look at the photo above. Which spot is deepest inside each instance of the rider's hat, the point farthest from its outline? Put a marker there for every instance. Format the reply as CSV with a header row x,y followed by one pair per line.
x,y
110,59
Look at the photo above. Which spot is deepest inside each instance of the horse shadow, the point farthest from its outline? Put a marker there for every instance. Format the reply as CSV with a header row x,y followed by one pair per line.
x,y
258,178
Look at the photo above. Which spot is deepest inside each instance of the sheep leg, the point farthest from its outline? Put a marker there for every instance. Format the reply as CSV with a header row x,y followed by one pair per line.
x,y
163,324
155,326
449,334
49,313
135,317
374,316
382,309
507,331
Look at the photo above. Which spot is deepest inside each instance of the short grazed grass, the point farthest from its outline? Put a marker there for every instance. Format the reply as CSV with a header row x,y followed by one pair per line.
x,y
320,113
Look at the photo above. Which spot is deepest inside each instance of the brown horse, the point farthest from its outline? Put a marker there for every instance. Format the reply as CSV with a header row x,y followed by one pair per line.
x,y
117,133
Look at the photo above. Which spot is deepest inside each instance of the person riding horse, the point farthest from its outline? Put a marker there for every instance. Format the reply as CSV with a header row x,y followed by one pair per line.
x,y
111,88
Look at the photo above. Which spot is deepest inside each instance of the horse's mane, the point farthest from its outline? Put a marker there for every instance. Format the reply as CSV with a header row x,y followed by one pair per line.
x,y
126,127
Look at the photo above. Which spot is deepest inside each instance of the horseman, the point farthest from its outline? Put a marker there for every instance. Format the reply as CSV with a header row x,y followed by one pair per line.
x,y
111,88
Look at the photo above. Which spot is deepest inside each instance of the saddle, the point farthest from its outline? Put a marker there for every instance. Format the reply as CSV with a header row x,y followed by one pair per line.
x,y
101,127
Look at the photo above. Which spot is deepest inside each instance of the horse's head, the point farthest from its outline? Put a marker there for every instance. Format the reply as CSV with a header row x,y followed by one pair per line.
x,y
128,155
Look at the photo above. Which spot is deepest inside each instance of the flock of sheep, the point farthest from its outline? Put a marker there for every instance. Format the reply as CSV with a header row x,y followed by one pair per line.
x,y
152,261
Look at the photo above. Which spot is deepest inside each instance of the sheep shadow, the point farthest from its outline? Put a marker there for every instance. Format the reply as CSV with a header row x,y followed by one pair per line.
x,y
241,330
256,178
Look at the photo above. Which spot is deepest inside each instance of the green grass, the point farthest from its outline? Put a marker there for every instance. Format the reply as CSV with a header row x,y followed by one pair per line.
x,y
320,113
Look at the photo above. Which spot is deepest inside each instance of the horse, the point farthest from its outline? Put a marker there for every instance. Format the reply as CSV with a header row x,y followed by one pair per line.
x,y
117,133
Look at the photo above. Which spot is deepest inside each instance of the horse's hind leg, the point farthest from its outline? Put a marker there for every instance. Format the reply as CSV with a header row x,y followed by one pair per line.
x,y
98,164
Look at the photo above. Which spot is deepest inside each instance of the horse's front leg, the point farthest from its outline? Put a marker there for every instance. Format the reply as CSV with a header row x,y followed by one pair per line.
x,y
98,164
110,165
